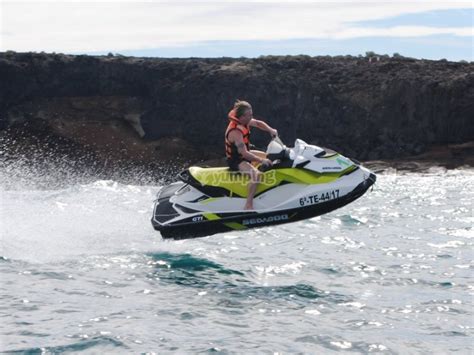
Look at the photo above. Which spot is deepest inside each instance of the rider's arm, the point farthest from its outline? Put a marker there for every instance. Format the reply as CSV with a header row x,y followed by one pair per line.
x,y
237,138
263,126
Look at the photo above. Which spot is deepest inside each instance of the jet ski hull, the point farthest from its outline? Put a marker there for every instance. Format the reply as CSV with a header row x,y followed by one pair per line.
x,y
196,226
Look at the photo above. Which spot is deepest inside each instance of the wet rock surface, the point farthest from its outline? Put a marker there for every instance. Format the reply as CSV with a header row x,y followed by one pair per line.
x,y
148,111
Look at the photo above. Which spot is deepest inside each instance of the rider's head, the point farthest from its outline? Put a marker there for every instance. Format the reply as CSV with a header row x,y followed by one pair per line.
x,y
243,111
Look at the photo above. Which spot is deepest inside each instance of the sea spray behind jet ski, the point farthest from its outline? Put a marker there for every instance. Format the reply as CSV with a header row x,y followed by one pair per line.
x,y
304,181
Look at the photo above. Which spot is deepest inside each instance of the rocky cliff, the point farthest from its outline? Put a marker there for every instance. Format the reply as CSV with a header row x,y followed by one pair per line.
x,y
149,109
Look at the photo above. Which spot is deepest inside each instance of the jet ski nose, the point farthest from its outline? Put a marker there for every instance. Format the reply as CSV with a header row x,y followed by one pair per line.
x,y
372,177
370,180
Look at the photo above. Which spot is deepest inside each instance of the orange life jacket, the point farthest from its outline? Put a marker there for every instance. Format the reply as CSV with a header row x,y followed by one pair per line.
x,y
231,150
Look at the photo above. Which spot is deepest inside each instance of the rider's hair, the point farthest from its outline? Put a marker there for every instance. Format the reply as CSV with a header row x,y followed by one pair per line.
x,y
240,107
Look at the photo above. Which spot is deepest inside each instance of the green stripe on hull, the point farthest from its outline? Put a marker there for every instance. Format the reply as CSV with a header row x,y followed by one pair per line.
x,y
211,216
235,225
210,199
237,183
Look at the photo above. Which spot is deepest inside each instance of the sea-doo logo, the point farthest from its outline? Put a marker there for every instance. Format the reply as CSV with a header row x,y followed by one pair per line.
x,y
260,220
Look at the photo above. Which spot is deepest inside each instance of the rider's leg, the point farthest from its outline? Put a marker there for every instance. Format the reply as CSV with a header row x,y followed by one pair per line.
x,y
259,154
247,168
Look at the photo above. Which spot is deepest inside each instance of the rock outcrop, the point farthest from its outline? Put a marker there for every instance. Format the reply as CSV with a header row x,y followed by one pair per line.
x,y
149,109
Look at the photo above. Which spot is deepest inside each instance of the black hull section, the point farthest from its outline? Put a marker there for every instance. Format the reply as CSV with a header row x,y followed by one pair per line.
x,y
253,220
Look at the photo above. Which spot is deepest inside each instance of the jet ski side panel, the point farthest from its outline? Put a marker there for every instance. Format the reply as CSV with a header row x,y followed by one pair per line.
x,y
206,224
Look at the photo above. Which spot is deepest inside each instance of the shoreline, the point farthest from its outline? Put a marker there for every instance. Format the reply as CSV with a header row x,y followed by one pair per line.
x,y
449,157
46,162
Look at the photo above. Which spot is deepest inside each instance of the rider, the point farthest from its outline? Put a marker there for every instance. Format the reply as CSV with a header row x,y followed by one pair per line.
x,y
237,146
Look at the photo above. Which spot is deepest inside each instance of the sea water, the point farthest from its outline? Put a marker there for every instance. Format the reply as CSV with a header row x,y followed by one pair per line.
x,y
82,270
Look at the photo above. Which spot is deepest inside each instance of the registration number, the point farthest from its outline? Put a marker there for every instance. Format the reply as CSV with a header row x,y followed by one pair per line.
x,y
318,198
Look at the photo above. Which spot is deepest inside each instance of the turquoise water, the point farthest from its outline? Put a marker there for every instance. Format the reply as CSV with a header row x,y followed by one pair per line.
x,y
83,270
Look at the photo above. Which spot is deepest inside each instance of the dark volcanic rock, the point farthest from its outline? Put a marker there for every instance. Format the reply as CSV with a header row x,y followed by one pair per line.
x,y
135,108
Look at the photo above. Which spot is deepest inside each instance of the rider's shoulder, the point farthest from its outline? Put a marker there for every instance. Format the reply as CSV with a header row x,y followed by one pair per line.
x,y
235,134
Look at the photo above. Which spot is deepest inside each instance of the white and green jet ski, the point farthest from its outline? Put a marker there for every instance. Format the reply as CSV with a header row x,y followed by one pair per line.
x,y
305,181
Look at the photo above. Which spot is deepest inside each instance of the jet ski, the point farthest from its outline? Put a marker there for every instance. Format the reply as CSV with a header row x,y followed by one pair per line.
x,y
304,181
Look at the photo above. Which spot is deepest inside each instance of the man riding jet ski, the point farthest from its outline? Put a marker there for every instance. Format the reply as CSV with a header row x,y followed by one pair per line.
x,y
237,146
301,182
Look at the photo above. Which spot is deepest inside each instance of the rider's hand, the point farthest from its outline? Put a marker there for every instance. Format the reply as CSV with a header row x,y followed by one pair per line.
x,y
267,162
274,133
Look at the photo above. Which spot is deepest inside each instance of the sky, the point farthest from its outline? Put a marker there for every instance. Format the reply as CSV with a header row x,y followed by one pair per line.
x,y
419,28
